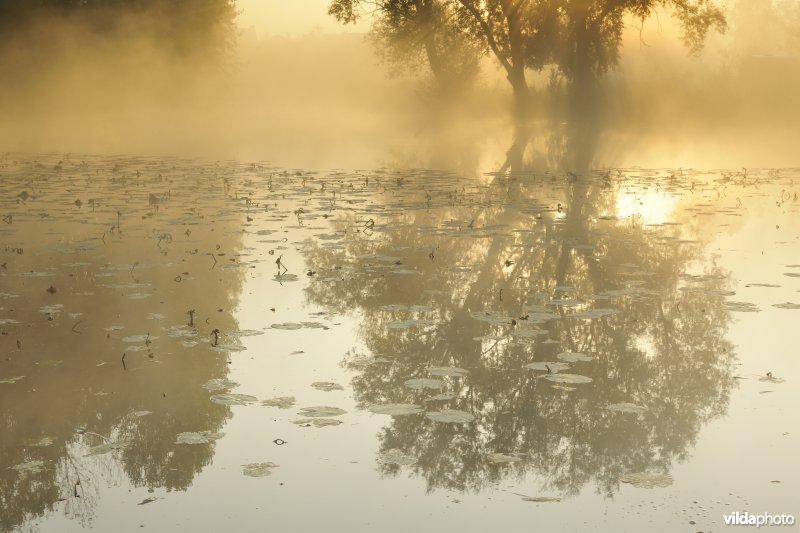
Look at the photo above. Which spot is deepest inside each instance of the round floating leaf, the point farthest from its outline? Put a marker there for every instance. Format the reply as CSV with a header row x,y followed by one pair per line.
x,y
627,408
492,317
594,313
396,457
450,416
451,371
287,325
647,480
541,499
29,467
12,380
258,469
568,378
424,383
405,324
574,357
441,397
502,458
549,366
318,422
285,277
198,437
321,411
219,384
396,409
181,332
787,305
233,399
228,348
41,443
245,333
107,447
742,307
327,386
138,338
282,402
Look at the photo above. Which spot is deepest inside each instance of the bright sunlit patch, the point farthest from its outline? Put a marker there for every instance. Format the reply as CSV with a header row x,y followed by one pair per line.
x,y
647,207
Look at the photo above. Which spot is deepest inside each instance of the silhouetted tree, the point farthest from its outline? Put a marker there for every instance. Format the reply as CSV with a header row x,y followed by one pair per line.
x,y
581,37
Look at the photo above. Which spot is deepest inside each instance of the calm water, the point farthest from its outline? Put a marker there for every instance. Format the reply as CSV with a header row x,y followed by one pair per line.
x,y
201,346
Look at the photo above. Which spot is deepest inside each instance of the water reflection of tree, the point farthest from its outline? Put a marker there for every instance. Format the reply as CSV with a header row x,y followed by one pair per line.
x,y
76,392
663,348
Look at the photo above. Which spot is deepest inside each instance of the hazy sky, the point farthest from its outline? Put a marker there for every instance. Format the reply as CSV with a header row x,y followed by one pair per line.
x,y
296,17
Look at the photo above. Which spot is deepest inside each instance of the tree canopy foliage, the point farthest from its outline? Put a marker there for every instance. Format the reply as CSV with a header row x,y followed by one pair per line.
x,y
581,37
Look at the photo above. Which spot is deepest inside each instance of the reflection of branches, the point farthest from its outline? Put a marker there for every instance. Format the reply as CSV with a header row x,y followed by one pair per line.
x,y
645,350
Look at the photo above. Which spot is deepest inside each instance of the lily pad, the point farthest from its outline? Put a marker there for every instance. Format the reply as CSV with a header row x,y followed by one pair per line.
x,y
627,408
742,307
594,313
787,305
12,380
326,386
213,385
568,378
541,499
107,447
41,443
287,326
321,411
450,416
228,348
492,317
769,378
245,333
405,324
424,383
233,399
574,357
139,338
280,278
181,331
549,366
29,467
451,371
502,458
317,422
258,469
647,480
198,437
441,397
396,457
396,409
281,402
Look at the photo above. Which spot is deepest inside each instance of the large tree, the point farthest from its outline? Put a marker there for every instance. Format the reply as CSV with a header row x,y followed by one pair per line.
x,y
581,37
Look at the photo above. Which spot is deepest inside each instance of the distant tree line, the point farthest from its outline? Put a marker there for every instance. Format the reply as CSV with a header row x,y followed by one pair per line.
x,y
186,27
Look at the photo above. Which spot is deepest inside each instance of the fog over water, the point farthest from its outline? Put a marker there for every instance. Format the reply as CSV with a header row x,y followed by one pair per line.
x,y
323,99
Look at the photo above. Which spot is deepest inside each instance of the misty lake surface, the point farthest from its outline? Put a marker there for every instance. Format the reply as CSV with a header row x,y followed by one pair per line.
x,y
229,346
